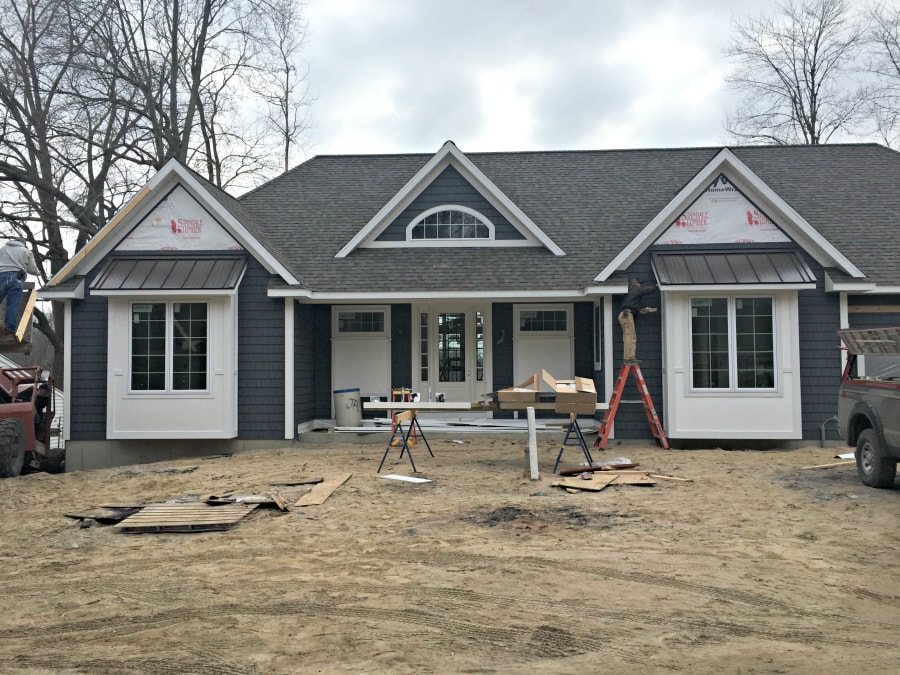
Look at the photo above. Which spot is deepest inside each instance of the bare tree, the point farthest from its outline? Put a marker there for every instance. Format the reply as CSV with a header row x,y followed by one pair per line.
x,y
798,73
50,165
884,64
97,94
283,83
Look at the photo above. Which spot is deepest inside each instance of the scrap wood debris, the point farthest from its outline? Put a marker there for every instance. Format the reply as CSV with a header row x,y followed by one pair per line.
x,y
319,493
830,465
185,517
182,514
299,481
592,482
268,499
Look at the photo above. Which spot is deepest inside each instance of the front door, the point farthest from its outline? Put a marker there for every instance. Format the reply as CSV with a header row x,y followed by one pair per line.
x,y
451,352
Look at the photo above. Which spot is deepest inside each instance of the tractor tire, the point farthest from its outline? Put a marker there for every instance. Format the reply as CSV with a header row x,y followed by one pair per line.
x,y
875,467
55,461
12,447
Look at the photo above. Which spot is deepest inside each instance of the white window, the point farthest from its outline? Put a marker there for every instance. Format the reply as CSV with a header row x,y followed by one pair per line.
x,y
443,223
546,320
361,321
168,347
732,343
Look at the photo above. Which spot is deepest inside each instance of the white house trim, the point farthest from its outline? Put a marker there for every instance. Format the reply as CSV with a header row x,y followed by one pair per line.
x,y
740,175
73,293
450,207
452,243
448,155
392,296
832,286
67,369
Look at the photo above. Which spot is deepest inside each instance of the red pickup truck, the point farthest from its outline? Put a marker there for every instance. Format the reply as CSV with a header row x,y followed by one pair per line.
x,y
869,402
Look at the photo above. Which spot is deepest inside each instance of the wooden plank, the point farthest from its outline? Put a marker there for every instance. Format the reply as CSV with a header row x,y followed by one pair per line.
x,y
828,466
185,517
25,318
633,479
664,477
596,483
575,470
425,405
322,491
873,309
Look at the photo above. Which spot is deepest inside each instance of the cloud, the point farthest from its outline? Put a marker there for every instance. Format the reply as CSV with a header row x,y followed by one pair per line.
x,y
407,75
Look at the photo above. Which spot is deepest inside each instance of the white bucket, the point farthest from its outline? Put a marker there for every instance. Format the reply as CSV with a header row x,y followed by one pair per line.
x,y
347,408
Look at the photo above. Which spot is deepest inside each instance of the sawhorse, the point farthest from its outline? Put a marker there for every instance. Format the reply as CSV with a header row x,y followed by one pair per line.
x,y
656,427
397,428
574,437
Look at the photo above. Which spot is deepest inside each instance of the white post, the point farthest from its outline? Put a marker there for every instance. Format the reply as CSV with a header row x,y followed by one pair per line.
x,y
532,445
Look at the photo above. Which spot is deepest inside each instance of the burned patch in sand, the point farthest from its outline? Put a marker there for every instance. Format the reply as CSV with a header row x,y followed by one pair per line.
x,y
539,518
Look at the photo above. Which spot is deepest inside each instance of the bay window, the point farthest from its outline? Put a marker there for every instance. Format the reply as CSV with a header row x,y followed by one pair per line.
x,y
732,343
168,347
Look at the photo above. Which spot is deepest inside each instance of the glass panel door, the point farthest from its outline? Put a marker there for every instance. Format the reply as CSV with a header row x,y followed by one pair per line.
x,y
451,345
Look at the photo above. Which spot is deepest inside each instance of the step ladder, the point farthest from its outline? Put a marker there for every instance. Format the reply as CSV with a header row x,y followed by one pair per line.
x,y
656,427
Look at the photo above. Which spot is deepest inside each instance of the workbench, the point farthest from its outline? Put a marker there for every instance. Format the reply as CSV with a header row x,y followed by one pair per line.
x,y
477,406
411,409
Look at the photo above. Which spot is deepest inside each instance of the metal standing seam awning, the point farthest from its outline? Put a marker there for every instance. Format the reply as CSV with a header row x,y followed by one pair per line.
x,y
206,273
696,268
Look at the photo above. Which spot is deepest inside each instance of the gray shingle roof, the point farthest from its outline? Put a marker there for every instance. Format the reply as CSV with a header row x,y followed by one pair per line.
x,y
591,203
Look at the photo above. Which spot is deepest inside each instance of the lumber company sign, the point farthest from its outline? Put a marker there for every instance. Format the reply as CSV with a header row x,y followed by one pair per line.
x,y
722,215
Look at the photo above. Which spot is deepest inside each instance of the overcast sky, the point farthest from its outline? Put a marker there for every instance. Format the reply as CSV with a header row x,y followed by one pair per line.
x,y
406,75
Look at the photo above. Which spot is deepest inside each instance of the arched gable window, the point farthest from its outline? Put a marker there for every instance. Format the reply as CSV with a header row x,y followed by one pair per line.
x,y
444,223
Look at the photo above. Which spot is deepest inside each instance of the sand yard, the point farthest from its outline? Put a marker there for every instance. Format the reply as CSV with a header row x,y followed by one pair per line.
x,y
754,564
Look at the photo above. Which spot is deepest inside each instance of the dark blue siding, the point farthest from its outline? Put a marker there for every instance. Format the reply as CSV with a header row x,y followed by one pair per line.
x,y
401,345
820,358
631,422
87,409
584,339
449,188
260,357
312,362
584,342
322,356
502,353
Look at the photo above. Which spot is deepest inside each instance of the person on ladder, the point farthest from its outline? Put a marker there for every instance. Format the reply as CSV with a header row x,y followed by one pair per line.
x,y
631,306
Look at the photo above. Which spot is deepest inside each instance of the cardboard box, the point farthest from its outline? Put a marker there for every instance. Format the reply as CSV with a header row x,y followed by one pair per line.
x,y
516,398
578,396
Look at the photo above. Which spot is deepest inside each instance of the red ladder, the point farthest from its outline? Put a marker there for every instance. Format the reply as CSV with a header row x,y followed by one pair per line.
x,y
656,427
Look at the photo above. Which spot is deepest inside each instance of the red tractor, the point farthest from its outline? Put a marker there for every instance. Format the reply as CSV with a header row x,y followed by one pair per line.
x,y
26,413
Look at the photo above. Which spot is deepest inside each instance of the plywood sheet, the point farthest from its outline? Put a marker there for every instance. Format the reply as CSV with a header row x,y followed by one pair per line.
x,y
596,483
323,490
